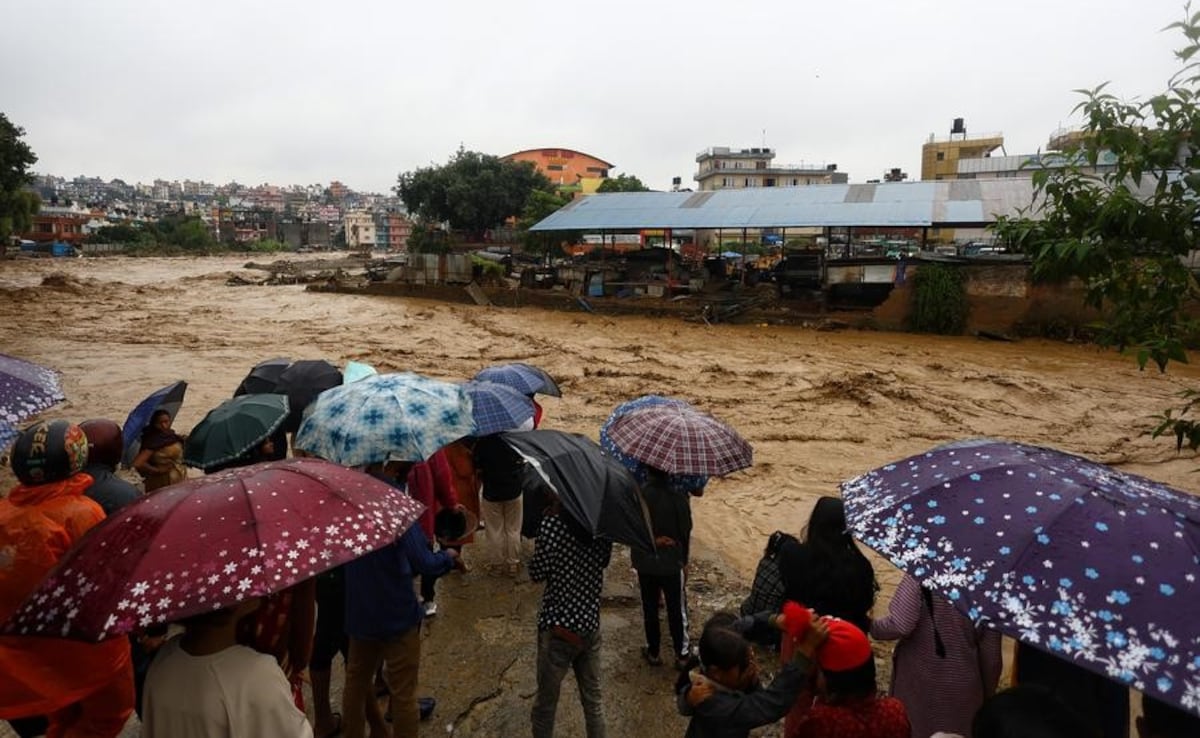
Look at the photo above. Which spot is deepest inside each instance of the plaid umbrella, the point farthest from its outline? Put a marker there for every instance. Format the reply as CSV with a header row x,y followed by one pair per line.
x,y
497,407
680,440
1087,563
525,378
678,482
209,543
169,398
25,389
386,416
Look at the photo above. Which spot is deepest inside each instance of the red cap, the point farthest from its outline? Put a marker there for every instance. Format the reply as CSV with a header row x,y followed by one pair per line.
x,y
846,648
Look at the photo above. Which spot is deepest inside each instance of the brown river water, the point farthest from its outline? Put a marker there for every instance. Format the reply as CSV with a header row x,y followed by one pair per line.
x,y
819,407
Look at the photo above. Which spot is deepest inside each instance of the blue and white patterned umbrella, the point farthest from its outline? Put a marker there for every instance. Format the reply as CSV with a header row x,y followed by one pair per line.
x,y
386,416
25,390
1093,565
497,407
678,482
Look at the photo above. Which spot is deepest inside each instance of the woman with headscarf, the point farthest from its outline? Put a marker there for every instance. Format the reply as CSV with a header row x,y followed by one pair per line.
x,y
827,573
160,460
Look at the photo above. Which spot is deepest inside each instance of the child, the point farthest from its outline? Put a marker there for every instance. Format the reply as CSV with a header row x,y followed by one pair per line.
x,y
723,694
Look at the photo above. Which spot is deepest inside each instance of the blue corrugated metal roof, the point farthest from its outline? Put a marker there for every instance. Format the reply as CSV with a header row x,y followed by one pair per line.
x,y
886,204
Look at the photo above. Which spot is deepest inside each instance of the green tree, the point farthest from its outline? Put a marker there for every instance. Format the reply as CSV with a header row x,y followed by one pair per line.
x,y
472,192
1124,229
622,183
538,207
17,203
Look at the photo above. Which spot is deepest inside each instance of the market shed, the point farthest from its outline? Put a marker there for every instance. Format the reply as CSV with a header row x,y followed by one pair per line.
x,y
949,204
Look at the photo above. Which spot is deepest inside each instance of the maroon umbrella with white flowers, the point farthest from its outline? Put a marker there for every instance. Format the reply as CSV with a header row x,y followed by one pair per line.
x,y
209,543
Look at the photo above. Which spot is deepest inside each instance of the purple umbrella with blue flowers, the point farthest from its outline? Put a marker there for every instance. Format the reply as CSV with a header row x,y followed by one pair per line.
x,y
25,390
1093,565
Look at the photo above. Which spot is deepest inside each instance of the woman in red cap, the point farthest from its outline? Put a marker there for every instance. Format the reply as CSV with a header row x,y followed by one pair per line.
x,y
849,704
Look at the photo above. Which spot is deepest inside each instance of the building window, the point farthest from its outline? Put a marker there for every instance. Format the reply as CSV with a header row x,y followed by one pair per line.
x,y
795,181
769,183
554,167
941,156
749,182
727,181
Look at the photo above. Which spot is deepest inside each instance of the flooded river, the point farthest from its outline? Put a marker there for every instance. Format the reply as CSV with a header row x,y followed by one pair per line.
x,y
818,406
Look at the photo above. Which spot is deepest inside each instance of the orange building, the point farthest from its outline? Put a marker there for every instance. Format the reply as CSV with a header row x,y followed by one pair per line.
x,y
565,167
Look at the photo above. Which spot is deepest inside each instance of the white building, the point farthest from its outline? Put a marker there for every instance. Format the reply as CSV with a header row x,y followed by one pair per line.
x,y
360,230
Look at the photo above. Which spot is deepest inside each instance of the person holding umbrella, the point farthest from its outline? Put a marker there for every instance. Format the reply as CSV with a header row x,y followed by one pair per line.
x,y
661,571
571,562
944,665
160,460
383,619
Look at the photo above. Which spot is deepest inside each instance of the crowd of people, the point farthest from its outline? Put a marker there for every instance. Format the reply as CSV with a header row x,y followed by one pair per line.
x,y
238,671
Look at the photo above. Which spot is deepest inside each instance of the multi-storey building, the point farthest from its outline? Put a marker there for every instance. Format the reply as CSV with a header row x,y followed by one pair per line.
x,y
392,231
566,167
360,230
722,167
940,156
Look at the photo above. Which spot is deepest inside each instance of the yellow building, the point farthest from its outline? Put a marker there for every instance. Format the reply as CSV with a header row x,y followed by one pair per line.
x,y
939,156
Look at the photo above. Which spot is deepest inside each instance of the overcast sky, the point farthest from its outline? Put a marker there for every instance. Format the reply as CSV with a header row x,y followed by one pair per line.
x,y
299,91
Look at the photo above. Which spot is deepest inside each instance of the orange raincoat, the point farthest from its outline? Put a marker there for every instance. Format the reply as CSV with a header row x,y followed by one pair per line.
x,y
38,675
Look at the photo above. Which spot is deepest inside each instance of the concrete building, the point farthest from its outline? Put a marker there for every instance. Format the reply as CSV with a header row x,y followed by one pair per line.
x,y
940,156
565,167
723,168
305,234
360,230
392,231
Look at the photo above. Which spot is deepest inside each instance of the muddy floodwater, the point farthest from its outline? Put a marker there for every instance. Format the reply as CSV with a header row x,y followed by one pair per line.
x,y
818,407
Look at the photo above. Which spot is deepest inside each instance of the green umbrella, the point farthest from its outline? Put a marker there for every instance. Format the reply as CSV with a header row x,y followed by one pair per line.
x,y
233,429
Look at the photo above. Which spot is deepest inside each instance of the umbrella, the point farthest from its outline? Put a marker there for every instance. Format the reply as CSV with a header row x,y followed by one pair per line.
x,y
356,370
678,482
525,378
595,490
25,389
302,382
169,398
388,416
263,378
234,428
680,440
1090,564
497,407
211,542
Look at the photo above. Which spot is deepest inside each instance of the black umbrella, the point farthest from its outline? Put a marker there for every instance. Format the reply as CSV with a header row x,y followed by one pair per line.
x,y
263,378
595,490
302,382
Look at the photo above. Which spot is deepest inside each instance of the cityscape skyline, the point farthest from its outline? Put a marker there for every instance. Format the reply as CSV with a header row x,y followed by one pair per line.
x,y
299,93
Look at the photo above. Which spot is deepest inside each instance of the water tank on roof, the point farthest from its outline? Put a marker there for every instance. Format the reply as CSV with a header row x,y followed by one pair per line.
x,y
958,127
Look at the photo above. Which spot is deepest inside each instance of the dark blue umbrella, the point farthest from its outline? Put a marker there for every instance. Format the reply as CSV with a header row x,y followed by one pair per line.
x,y
169,398
263,378
497,407
678,482
1093,565
525,378
595,490
25,389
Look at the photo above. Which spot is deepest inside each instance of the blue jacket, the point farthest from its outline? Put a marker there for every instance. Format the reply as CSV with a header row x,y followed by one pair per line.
x,y
380,601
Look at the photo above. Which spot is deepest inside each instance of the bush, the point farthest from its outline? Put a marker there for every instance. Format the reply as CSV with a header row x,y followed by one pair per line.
x,y
939,300
266,246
